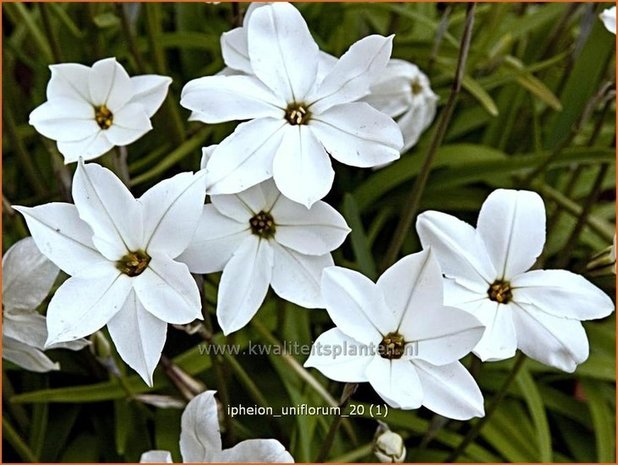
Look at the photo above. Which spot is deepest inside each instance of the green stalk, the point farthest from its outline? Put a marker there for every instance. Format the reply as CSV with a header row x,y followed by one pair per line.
x,y
412,203
20,10
489,411
50,33
128,34
14,439
348,390
153,29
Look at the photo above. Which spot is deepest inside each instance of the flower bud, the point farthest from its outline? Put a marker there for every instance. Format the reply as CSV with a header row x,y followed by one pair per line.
x,y
388,446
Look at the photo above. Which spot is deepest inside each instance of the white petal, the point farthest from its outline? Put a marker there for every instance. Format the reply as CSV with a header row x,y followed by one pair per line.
x,y
63,237
235,51
256,451
353,74
499,340
608,17
296,277
168,291
215,240
458,248
130,123
27,357
200,438
412,287
356,305
244,284
156,456
82,306
358,135
64,119
245,158
150,91
88,148
243,206
339,357
207,154
109,84
216,99
302,169
562,294
105,203
554,341
282,52
414,122
172,211
27,327
69,80
27,276
138,336
450,391
396,381
315,231
512,225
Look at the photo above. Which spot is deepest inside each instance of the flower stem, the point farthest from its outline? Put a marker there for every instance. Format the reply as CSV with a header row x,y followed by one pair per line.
x,y
348,390
121,167
411,205
153,28
476,429
14,439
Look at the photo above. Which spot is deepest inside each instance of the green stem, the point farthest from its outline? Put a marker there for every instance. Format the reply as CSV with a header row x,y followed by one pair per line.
x,y
38,37
412,203
50,33
348,390
476,429
153,29
129,36
15,440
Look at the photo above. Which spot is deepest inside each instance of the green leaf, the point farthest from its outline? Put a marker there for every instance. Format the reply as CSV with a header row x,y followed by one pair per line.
x,y
358,237
603,421
537,411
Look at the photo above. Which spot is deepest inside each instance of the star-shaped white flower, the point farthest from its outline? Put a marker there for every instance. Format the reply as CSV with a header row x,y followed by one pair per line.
x,y
296,120
119,252
403,92
608,17
200,440
89,110
397,335
486,274
27,278
261,238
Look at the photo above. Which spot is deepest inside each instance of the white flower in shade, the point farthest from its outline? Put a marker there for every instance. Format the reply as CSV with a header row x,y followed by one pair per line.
x,y
119,252
27,278
200,440
403,92
261,238
397,335
296,122
89,110
608,17
486,274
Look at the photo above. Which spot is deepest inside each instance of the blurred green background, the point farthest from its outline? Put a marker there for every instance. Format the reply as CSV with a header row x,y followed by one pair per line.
x,y
537,111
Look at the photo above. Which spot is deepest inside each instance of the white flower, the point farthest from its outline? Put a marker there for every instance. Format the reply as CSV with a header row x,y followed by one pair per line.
x,y
200,440
90,110
486,273
403,92
120,253
27,278
261,238
608,17
235,50
388,446
397,335
296,122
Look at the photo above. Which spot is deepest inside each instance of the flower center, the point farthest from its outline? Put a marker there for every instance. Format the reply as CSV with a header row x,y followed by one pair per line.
x,y
263,225
296,114
133,263
500,291
417,88
103,116
392,346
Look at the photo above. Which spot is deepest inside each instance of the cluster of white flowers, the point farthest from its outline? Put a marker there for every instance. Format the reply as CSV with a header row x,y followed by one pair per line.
x,y
130,260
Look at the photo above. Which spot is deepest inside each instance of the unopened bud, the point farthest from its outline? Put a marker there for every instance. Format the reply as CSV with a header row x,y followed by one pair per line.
x,y
100,346
388,446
